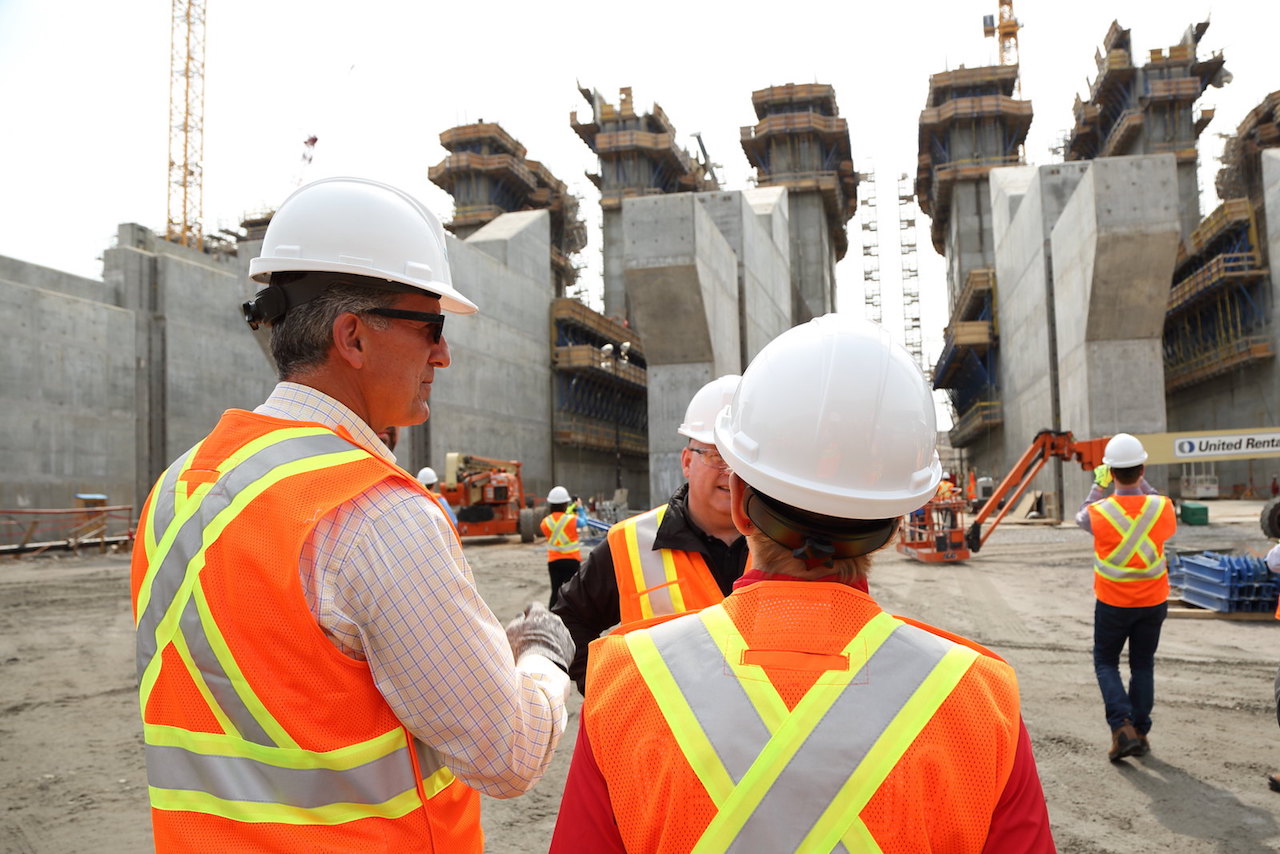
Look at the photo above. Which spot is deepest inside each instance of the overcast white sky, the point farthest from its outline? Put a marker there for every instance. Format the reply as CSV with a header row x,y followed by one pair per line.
x,y
84,95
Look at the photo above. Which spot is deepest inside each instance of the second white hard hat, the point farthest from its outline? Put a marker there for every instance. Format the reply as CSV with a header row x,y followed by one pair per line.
x,y
700,417
834,418
362,227
427,476
1124,451
558,495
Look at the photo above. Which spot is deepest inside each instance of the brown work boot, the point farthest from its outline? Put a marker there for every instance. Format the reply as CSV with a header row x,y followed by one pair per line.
x,y
1124,742
1144,746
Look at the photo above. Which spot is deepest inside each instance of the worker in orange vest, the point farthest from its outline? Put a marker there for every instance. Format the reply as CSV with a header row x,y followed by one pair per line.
x,y
796,715
316,670
1273,564
560,527
681,555
1131,583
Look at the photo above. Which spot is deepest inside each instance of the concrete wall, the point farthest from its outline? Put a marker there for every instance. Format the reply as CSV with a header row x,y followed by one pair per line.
x,y
970,244
682,285
812,257
1113,252
1249,397
612,264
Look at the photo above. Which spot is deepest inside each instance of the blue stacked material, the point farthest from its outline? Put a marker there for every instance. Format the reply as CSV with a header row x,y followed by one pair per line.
x,y
1228,582
1176,573
593,532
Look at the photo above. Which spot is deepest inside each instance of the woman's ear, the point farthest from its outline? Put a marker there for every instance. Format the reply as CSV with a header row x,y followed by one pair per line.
x,y
739,492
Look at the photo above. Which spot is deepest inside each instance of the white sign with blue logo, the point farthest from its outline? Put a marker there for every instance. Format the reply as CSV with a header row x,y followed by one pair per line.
x,y
1261,442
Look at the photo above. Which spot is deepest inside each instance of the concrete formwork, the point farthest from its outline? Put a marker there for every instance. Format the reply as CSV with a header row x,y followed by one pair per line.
x,y
1248,397
970,243
1113,253
682,285
813,257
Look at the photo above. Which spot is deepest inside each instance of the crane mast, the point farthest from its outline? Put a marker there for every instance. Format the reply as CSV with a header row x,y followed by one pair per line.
x,y
186,123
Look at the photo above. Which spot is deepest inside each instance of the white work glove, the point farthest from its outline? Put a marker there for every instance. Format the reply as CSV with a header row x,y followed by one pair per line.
x,y
539,631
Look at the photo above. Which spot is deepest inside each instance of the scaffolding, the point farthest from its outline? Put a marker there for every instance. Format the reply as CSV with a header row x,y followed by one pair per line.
x,y
869,215
488,174
967,368
800,142
910,271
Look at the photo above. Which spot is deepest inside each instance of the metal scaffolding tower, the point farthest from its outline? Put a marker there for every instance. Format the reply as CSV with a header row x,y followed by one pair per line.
x,y
910,269
186,124
869,216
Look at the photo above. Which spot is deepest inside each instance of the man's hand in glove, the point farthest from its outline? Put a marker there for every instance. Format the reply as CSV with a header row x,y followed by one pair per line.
x,y
1102,476
538,630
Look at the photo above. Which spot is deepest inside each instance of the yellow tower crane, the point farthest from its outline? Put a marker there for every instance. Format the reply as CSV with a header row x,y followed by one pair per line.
x,y
186,124
1006,30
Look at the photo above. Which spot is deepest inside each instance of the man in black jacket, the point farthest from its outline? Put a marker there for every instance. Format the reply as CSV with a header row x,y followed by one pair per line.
x,y
695,526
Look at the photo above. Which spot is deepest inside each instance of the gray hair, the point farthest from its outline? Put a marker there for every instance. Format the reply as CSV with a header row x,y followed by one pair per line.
x,y
301,339
771,557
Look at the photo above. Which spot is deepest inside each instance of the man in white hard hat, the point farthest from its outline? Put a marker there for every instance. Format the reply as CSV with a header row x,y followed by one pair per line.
x,y
1131,583
428,478
682,555
560,527
796,715
317,671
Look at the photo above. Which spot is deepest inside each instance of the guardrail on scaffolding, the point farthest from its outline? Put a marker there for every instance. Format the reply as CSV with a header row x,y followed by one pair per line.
x,y
33,532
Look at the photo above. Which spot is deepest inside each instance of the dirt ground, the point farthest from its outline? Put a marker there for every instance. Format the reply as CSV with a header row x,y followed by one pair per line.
x,y
71,775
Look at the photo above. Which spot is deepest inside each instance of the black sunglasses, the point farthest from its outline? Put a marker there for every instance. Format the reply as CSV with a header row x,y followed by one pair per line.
x,y
435,322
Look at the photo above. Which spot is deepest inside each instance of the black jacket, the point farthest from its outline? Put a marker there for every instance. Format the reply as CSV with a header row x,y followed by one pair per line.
x,y
588,602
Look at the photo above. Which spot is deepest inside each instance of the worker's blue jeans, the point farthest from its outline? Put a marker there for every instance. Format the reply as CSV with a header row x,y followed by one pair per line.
x,y
1112,628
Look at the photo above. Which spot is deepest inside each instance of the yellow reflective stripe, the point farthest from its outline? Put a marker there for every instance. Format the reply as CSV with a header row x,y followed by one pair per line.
x,y
637,571
253,811
158,496
219,744
436,783
686,730
167,625
673,588
239,683
755,682
189,507
180,644
787,739
888,750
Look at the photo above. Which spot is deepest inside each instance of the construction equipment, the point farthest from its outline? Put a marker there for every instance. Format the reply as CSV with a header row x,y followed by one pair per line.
x,y
935,532
488,496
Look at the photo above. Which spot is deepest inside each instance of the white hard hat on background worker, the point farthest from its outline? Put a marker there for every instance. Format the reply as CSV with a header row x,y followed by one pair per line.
x,y
427,476
1124,451
700,416
558,495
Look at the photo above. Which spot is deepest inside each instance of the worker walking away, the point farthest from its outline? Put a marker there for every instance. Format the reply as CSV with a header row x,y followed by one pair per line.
x,y
316,669
1131,583
679,556
428,478
1273,564
560,527
796,715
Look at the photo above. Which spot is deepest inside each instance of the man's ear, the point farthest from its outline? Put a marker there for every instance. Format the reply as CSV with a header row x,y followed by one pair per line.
x,y
348,339
738,492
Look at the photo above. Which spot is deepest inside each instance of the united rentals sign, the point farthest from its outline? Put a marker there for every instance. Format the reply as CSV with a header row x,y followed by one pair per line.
x,y
1211,445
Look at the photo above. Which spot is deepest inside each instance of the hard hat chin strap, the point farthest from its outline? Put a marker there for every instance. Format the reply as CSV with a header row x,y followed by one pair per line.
x,y
814,539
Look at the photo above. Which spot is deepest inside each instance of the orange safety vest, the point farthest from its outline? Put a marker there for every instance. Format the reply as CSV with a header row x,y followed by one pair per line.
x,y
799,716
561,531
260,735
656,582
1129,565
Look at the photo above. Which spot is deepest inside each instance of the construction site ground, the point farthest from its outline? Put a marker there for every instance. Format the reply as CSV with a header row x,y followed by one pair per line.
x,y
71,769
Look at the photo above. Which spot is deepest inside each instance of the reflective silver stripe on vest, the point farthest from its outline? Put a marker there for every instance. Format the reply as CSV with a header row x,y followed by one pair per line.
x,y
557,532
1133,541
652,568
237,778
836,746
172,572
162,500
216,678
429,759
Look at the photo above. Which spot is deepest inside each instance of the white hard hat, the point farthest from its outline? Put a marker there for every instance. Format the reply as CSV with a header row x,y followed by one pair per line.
x,y
362,227
700,418
1124,451
427,476
558,495
833,418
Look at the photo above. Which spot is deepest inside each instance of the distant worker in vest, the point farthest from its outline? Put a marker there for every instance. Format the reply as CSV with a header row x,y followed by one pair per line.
x,y
796,715
682,555
428,478
1131,583
316,669
1273,564
560,527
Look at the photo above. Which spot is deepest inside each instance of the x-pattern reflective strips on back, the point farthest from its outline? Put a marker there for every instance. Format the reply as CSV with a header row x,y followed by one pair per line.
x,y
1135,539
173,571
751,754
559,541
